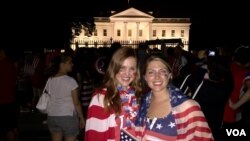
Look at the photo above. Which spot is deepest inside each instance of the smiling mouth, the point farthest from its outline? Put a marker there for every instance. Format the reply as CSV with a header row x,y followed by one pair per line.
x,y
157,83
126,79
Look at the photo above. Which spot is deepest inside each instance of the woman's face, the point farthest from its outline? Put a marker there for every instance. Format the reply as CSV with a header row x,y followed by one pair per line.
x,y
157,76
127,72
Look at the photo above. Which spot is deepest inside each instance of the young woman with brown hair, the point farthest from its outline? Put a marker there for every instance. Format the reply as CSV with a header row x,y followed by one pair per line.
x,y
114,106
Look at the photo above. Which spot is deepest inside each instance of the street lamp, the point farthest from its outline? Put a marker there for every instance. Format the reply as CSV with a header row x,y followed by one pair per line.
x,y
130,41
111,40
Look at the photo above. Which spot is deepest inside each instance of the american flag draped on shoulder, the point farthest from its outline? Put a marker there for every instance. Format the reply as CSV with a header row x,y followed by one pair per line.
x,y
189,119
104,125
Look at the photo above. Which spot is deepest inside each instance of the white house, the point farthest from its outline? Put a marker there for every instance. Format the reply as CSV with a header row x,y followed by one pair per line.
x,y
134,25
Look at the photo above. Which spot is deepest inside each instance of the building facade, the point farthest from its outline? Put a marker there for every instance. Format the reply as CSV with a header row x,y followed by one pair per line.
x,y
133,25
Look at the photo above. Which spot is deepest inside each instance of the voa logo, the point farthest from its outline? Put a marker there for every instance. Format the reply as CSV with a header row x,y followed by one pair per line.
x,y
236,132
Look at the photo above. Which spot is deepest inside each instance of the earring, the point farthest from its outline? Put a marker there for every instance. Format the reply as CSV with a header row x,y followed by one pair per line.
x,y
170,76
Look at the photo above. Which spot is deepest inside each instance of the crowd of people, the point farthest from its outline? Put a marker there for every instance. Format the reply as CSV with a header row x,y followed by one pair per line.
x,y
124,93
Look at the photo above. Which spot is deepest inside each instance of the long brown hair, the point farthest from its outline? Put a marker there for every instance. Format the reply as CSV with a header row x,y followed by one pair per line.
x,y
112,100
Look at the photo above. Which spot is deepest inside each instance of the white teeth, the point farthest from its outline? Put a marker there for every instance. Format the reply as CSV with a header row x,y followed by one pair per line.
x,y
157,83
125,79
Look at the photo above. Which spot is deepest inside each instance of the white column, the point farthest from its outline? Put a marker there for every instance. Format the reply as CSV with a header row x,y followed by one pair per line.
x,y
112,30
125,31
137,30
150,30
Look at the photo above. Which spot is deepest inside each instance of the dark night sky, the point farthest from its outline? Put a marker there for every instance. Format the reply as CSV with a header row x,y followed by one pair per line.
x,y
212,23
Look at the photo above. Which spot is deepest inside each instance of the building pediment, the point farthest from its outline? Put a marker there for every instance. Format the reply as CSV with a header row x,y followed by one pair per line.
x,y
131,13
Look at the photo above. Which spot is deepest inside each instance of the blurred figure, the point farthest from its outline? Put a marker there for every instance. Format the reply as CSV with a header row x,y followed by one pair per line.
x,y
64,109
179,62
243,104
142,56
214,92
37,76
239,67
8,105
84,74
24,88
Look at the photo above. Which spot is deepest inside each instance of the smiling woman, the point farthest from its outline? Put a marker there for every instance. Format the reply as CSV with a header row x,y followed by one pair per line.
x,y
113,108
165,112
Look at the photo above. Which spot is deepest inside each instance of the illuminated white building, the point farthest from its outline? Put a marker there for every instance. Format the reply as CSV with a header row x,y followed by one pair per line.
x,y
135,25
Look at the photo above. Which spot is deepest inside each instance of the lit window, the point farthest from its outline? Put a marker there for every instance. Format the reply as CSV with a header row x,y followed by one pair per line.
x,y
163,34
182,33
129,32
140,33
86,33
104,32
154,33
172,33
118,32
95,32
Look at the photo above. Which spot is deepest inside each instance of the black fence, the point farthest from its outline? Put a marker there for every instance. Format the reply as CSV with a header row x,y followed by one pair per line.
x,y
131,43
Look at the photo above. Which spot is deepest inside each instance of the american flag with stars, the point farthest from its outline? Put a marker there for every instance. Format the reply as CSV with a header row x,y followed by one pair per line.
x,y
186,122
126,136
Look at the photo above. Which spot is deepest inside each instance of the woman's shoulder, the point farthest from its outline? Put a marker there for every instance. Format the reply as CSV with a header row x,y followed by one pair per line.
x,y
100,91
68,78
190,103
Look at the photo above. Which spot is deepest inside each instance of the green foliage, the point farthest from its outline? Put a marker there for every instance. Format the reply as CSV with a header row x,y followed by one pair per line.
x,y
83,23
75,25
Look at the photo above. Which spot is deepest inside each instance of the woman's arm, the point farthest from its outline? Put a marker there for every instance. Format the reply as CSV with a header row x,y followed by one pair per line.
x,y
243,99
100,124
79,79
77,104
247,83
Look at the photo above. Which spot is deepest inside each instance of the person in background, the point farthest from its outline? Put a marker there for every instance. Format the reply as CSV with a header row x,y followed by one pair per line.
x,y
84,77
37,77
244,103
239,67
165,112
179,62
213,93
8,105
87,87
23,89
114,105
64,109
245,94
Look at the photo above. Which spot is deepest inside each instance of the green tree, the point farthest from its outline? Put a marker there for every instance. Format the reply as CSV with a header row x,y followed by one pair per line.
x,y
73,27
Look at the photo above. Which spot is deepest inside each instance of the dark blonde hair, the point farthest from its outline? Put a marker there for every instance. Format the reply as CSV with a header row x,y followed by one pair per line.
x,y
112,100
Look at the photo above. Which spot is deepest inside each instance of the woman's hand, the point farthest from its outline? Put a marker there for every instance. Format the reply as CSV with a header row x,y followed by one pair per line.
x,y
231,104
82,123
